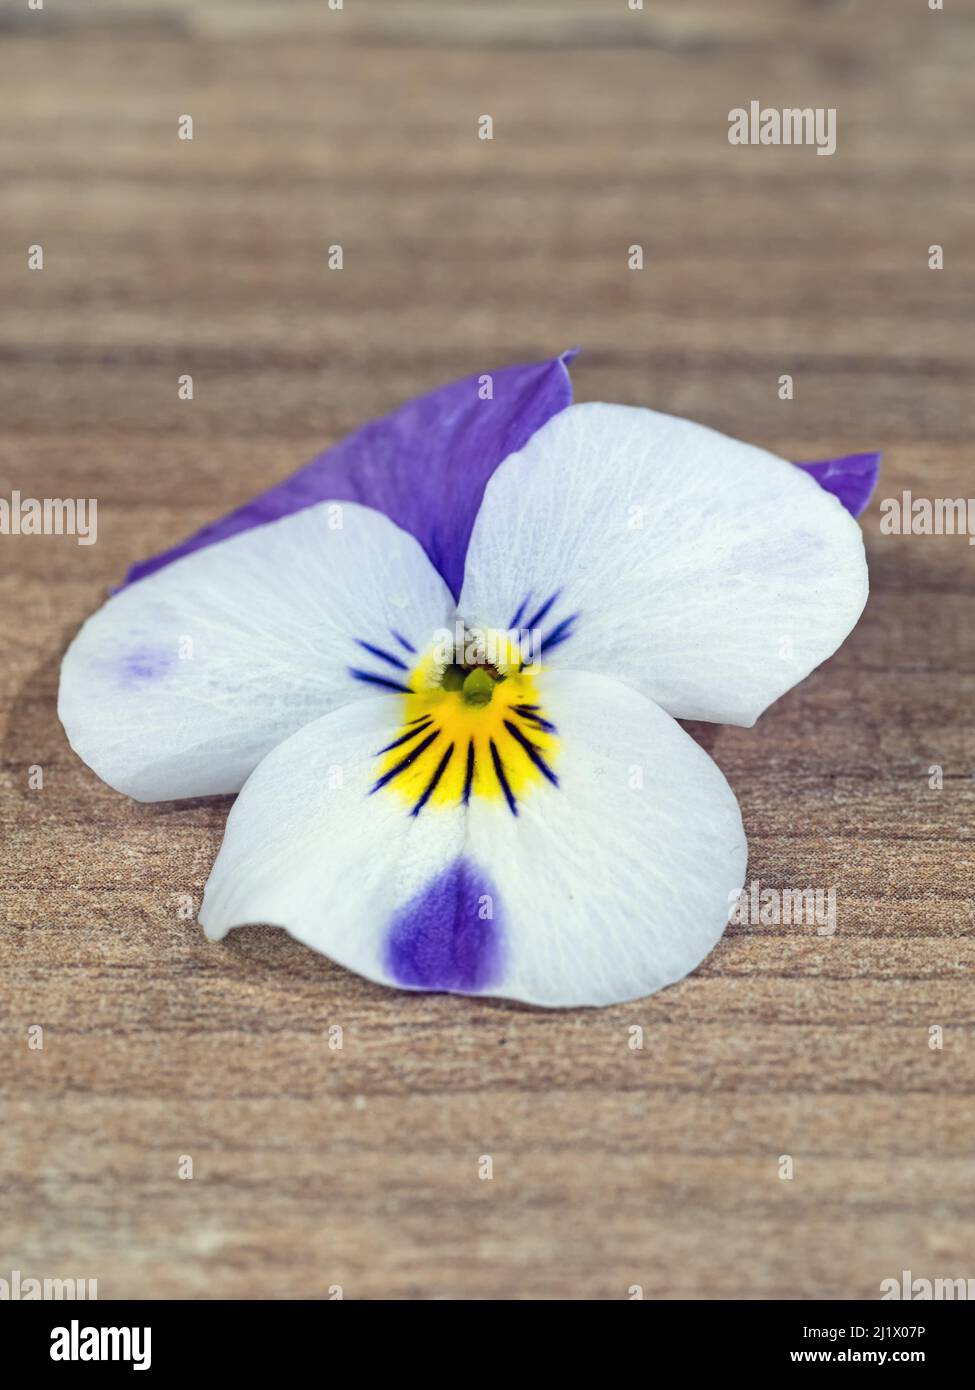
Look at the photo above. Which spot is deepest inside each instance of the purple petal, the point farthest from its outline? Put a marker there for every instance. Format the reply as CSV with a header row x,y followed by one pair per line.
x,y
852,479
448,937
425,466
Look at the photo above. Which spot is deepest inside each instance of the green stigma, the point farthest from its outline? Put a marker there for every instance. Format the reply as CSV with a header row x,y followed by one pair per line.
x,y
478,687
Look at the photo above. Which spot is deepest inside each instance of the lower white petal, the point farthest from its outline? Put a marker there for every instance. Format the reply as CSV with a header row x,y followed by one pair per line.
x,y
601,883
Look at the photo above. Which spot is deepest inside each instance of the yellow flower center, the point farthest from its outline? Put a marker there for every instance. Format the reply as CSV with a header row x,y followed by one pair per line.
x,y
472,725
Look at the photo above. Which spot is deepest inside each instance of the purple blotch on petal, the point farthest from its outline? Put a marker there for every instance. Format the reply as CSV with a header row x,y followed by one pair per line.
x,y
450,936
140,665
852,479
425,466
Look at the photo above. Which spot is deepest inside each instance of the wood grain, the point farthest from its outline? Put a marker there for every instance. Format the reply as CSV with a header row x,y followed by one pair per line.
x,y
315,1167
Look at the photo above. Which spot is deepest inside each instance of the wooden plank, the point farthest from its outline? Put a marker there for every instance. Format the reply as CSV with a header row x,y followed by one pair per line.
x,y
613,1167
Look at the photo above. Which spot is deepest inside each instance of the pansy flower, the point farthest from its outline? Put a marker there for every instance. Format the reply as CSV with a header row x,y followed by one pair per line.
x,y
443,666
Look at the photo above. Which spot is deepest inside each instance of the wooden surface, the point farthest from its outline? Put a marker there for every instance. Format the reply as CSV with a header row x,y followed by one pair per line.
x,y
315,1167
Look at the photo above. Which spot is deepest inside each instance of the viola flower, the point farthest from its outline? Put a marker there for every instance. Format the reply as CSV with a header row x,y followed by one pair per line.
x,y
443,666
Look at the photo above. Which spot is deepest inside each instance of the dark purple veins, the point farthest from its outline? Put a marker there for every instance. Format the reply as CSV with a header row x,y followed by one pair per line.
x,y
559,629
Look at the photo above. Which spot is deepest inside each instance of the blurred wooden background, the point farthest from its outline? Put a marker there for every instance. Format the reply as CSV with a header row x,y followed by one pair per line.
x,y
312,1167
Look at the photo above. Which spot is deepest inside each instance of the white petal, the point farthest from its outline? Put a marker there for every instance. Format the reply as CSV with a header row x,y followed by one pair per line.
x,y
707,573
611,885
182,682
